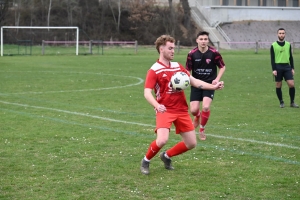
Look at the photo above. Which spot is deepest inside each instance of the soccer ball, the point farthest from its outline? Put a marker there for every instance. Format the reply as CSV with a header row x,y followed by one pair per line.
x,y
180,81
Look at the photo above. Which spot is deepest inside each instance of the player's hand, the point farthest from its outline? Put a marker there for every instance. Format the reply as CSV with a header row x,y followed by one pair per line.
x,y
275,73
161,108
219,85
214,82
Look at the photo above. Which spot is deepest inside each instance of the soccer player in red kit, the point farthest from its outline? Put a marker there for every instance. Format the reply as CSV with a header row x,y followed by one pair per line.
x,y
170,105
203,61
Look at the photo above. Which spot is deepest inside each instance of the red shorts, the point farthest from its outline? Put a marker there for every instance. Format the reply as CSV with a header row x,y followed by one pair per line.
x,y
182,121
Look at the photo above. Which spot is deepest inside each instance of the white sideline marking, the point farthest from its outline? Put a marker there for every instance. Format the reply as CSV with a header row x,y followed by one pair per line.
x,y
255,141
75,113
82,90
146,125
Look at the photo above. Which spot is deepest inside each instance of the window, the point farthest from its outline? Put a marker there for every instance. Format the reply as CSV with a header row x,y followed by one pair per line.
x,y
295,3
225,2
281,3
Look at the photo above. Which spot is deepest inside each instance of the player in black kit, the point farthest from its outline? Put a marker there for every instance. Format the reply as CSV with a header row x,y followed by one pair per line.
x,y
203,62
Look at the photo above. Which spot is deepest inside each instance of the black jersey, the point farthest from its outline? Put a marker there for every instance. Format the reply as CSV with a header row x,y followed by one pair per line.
x,y
204,65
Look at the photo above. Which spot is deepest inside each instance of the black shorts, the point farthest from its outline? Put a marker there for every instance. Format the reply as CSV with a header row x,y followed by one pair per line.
x,y
198,94
284,71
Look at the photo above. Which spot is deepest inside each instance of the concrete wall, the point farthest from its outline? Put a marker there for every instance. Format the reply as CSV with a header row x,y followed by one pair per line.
x,y
214,13
287,3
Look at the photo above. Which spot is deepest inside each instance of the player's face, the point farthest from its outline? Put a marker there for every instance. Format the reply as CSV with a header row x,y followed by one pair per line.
x,y
168,50
281,35
202,41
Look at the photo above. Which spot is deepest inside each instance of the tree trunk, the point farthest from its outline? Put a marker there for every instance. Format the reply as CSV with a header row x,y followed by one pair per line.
x,y
49,10
173,20
119,17
17,14
3,10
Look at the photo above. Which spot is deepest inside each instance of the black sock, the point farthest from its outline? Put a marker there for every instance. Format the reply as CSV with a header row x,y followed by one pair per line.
x,y
279,95
292,94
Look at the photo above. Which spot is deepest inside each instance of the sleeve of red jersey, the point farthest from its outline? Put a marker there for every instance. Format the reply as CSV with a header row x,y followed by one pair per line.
x,y
150,79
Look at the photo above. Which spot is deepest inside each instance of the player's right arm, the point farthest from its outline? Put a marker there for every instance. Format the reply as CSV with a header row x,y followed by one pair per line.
x,y
272,53
149,85
151,100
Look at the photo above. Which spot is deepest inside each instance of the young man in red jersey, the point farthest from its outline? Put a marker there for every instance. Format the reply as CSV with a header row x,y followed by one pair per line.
x,y
203,61
170,105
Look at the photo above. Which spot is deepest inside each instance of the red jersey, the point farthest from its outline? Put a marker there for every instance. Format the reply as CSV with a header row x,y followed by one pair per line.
x,y
158,78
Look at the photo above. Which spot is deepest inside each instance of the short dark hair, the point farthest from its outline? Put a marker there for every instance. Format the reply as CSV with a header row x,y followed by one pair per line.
x,y
202,33
280,29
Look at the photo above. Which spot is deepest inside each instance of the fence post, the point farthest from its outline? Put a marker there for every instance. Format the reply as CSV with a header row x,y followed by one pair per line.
x,y
178,46
218,45
43,47
90,46
256,47
136,46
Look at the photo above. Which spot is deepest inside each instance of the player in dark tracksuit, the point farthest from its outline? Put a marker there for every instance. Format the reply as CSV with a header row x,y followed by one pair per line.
x,y
283,67
203,61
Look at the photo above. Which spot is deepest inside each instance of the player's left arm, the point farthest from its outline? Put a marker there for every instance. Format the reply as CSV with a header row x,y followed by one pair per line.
x,y
221,65
220,74
292,60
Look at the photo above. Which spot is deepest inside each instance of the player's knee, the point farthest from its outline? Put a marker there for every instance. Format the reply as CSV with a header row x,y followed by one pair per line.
x,y
161,142
291,84
205,108
278,84
191,145
194,111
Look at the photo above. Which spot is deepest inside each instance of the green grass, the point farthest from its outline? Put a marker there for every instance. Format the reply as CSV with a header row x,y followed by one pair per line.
x,y
77,127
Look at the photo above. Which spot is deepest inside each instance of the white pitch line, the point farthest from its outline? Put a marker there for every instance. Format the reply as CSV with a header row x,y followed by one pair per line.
x,y
146,125
256,141
75,113
82,90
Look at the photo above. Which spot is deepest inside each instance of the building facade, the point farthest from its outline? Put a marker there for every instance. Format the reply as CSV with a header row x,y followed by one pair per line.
x,y
275,3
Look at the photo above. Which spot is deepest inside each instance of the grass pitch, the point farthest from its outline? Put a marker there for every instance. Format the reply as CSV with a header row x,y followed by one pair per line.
x,y
77,127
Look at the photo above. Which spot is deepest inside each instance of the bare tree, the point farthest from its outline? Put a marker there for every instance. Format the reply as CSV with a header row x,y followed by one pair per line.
x,y
187,13
17,12
49,12
3,9
117,21
173,20
72,6
105,3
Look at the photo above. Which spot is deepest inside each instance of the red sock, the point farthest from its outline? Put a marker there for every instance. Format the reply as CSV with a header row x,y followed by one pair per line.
x,y
153,150
204,117
179,148
198,114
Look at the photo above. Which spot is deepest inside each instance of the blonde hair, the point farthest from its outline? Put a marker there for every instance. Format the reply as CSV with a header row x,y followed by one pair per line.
x,y
162,40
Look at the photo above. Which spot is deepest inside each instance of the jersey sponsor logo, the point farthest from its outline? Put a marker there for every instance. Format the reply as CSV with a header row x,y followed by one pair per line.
x,y
203,71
